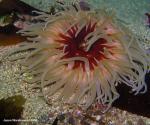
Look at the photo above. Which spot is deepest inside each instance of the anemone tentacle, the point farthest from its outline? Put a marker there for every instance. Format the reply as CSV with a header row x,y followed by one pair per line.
x,y
85,54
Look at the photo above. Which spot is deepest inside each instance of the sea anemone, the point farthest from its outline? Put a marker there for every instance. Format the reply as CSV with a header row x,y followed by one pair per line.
x,y
84,55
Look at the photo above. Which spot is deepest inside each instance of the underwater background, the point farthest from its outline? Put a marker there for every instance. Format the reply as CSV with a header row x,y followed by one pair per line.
x,y
20,102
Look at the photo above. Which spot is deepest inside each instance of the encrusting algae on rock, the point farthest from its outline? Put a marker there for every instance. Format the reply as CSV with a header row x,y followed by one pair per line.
x,y
84,55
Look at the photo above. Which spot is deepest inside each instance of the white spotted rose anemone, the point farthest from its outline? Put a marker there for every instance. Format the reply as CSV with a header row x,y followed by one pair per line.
x,y
83,55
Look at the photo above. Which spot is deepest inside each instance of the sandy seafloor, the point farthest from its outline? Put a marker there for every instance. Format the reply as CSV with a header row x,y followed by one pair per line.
x,y
132,13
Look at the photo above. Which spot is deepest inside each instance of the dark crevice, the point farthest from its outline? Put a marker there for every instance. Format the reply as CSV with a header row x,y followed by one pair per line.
x,y
138,104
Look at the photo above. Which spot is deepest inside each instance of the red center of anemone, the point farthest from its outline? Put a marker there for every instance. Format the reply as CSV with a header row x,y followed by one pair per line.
x,y
75,45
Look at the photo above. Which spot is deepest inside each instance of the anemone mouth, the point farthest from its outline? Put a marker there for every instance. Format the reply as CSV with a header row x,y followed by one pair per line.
x,y
81,41
76,45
